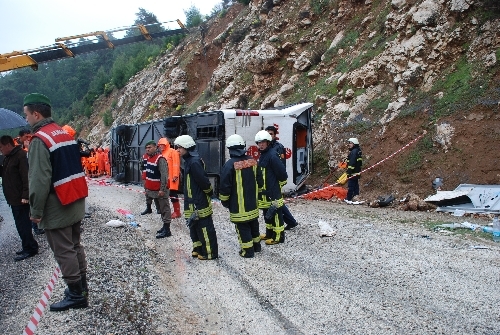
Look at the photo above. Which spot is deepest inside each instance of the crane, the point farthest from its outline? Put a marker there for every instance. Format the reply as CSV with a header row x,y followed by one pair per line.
x,y
65,47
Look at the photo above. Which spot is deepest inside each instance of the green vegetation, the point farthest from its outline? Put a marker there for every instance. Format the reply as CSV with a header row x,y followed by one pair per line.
x,y
107,118
319,6
73,85
193,17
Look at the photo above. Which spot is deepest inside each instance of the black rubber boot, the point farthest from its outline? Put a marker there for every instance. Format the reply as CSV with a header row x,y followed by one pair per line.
x,y
164,232
74,299
148,210
85,287
257,247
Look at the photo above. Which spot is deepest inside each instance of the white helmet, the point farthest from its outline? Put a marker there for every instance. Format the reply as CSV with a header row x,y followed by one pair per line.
x,y
185,141
234,140
263,136
353,140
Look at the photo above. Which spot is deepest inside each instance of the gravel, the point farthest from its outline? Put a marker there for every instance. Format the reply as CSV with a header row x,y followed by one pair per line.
x,y
383,272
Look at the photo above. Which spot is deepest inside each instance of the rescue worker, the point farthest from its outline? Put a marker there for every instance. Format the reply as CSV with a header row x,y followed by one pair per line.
x,y
354,163
156,185
271,177
281,152
174,173
57,192
149,200
197,200
238,193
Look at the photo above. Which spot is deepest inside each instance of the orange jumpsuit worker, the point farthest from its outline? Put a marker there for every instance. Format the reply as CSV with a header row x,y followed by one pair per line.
x,y
174,173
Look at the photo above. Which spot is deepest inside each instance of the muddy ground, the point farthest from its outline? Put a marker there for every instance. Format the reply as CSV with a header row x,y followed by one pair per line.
x,y
383,272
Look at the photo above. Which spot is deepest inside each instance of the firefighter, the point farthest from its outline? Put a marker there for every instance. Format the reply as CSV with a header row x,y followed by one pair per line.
x,y
238,193
197,200
281,152
354,163
174,174
156,185
271,177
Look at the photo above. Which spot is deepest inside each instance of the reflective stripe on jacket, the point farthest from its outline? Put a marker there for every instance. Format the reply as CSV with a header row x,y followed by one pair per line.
x,y
239,188
153,176
68,179
197,187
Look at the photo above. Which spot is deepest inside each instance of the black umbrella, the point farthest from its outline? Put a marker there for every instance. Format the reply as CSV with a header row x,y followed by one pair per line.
x,y
10,119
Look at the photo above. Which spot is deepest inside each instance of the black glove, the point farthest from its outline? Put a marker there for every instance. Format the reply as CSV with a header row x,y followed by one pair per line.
x,y
225,203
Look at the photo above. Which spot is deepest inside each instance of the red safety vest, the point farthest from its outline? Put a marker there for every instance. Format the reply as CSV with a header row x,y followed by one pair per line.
x,y
153,181
68,179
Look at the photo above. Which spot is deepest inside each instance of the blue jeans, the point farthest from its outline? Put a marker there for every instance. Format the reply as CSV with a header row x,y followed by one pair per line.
x,y
21,215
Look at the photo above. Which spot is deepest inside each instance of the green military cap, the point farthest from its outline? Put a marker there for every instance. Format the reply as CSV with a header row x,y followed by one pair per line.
x,y
151,142
36,98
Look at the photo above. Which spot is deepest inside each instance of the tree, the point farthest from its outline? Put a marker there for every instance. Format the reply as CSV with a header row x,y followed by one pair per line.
x,y
193,17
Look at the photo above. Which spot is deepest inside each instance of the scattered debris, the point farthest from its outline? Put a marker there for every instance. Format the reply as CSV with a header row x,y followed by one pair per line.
x,y
326,230
115,223
412,202
468,198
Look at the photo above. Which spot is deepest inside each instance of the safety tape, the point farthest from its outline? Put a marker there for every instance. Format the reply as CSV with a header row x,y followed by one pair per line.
x,y
312,192
367,169
40,307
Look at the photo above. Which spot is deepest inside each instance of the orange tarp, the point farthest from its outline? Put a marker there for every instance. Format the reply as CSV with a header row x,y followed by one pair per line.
x,y
327,193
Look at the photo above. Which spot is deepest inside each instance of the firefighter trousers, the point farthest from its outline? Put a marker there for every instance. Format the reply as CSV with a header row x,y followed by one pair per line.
x,y
249,237
204,238
275,227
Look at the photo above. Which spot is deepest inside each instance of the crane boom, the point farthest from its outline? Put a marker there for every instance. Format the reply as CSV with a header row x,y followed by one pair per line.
x,y
65,48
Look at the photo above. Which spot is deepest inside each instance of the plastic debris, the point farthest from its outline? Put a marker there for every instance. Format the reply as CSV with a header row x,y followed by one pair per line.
x,y
115,223
326,230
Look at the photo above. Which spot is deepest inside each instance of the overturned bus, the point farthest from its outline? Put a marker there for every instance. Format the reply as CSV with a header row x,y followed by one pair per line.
x,y
210,131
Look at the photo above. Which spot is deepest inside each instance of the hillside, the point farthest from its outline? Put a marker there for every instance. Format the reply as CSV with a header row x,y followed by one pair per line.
x,y
383,71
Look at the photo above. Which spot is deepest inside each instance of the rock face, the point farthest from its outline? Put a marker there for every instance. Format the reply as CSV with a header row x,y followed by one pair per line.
x,y
362,62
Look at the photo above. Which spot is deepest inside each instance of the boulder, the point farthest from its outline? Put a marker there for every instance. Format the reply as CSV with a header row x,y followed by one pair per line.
x,y
427,14
303,62
262,59
460,5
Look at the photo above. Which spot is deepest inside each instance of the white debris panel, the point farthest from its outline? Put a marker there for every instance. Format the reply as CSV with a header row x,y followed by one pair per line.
x,y
470,198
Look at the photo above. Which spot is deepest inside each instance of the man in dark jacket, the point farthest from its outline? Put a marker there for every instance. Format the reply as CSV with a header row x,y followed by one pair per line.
x,y
15,188
271,177
354,163
281,152
238,193
197,200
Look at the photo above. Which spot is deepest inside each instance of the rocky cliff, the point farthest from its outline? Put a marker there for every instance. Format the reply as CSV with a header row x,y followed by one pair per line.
x,y
383,71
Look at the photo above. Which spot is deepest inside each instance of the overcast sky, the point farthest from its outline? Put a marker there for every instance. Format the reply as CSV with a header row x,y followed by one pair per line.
x,y
30,24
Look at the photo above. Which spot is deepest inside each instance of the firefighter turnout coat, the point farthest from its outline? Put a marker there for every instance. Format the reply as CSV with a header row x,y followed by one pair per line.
x,y
271,177
238,189
197,187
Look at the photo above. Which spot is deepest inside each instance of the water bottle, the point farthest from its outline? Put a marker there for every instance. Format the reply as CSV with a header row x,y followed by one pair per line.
x,y
496,229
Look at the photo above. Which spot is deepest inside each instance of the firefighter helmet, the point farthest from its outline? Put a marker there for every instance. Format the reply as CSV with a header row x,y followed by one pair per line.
x,y
234,141
185,141
263,136
353,140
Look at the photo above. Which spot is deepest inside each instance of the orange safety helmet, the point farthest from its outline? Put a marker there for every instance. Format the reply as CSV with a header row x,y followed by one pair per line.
x,y
69,130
